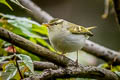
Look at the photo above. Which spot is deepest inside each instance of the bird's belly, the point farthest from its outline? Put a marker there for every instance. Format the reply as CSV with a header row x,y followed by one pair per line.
x,y
68,43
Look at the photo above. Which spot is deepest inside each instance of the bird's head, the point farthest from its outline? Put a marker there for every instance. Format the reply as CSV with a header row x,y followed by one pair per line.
x,y
60,24
54,22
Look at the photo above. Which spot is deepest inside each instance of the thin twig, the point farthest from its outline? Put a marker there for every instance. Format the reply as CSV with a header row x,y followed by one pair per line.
x,y
15,58
17,65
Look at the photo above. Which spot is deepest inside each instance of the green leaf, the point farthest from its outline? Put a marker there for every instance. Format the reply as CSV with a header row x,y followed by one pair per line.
x,y
2,50
5,57
44,43
118,73
18,3
18,32
24,24
29,29
27,61
42,30
5,3
104,65
34,57
17,76
33,40
10,72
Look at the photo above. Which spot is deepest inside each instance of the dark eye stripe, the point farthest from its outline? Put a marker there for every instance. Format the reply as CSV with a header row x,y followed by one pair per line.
x,y
55,23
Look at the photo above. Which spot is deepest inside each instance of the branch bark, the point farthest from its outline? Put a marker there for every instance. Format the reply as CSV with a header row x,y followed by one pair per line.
x,y
40,65
95,49
102,52
75,72
40,15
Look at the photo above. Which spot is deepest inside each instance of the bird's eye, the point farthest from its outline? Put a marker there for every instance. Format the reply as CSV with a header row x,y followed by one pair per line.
x,y
56,23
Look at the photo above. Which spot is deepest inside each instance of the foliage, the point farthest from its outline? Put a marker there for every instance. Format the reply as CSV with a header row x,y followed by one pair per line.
x,y
27,61
10,69
28,29
17,2
14,1
110,67
5,3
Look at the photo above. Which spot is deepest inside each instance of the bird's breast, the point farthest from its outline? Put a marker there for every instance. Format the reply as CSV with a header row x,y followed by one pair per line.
x,y
65,42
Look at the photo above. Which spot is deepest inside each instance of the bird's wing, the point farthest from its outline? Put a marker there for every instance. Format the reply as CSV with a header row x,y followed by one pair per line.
x,y
76,29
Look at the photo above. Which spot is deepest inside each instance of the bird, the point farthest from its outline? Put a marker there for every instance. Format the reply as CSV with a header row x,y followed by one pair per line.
x,y
67,37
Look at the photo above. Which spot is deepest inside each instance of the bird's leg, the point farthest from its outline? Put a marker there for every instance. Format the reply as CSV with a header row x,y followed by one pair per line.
x,y
77,59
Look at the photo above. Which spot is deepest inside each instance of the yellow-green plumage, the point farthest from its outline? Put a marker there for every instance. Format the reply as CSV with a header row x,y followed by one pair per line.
x,y
81,30
67,37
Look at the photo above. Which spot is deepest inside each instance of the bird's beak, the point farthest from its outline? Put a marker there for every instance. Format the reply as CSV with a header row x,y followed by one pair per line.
x,y
46,25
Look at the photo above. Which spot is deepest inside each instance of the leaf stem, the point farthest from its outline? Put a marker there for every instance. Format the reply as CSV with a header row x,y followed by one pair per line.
x,y
17,65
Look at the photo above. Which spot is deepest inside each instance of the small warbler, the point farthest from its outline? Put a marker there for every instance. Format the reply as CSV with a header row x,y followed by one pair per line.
x,y
67,37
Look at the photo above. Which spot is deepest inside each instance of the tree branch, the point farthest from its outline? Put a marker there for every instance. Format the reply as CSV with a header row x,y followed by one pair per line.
x,y
34,48
40,15
75,72
40,65
95,49
102,52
